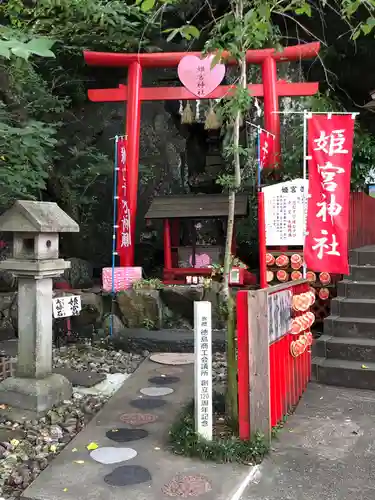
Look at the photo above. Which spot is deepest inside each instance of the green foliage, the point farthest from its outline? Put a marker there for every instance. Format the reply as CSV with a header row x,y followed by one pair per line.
x,y
148,284
81,24
36,46
47,149
184,440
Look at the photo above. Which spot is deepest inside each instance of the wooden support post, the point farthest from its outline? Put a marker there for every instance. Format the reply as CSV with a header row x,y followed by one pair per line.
x,y
259,364
167,245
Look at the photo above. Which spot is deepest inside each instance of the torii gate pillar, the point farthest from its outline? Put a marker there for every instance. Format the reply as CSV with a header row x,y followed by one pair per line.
x,y
134,94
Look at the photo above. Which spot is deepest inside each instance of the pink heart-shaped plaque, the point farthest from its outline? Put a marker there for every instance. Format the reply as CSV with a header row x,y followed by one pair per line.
x,y
197,76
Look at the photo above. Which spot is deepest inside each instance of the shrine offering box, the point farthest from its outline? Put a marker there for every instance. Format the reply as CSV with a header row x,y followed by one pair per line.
x,y
205,255
124,277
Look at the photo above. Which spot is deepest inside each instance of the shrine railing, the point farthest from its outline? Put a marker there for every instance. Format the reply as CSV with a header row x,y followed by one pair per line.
x,y
274,354
361,220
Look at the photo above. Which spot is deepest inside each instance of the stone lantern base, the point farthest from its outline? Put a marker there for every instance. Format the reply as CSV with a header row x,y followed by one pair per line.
x,y
30,398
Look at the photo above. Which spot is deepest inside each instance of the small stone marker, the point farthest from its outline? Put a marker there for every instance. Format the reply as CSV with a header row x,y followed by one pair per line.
x,y
68,305
203,369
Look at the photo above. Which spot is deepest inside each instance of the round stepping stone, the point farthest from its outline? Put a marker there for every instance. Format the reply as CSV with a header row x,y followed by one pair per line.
x,y
125,435
173,358
156,391
147,403
187,486
109,455
169,370
128,475
163,380
138,418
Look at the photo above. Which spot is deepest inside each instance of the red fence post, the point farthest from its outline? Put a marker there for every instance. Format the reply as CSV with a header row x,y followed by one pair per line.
x,y
243,364
262,241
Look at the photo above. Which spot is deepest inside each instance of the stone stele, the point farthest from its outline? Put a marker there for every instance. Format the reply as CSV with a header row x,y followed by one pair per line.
x,y
35,262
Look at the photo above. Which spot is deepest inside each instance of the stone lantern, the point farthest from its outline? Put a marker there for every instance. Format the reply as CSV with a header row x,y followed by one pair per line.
x,y
35,261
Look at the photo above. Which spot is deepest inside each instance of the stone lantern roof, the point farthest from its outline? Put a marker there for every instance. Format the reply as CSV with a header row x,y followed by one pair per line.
x,y
37,217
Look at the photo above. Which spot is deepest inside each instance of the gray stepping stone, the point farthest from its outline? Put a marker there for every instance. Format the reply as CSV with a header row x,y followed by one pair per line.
x,y
83,379
163,380
147,403
128,475
110,455
169,370
124,435
173,358
156,391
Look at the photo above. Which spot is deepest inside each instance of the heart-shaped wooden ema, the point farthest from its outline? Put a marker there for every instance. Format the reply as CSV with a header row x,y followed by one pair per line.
x,y
197,76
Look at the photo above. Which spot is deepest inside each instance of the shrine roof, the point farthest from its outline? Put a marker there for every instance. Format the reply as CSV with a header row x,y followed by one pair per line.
x,y
37,217
195,206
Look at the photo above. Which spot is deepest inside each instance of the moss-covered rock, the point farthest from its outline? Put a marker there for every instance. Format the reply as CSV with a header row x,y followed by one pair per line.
x,y
140,308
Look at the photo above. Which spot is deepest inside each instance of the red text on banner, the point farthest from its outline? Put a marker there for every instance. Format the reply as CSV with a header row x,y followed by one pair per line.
x,y
330,145
266,141
123,212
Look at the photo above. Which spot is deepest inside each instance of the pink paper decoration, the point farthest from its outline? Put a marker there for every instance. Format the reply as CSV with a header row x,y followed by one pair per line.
x,y
124,277
197,76
201,260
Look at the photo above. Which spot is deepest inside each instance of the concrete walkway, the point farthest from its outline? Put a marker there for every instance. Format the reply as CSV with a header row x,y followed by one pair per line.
x,y
131,460
325,452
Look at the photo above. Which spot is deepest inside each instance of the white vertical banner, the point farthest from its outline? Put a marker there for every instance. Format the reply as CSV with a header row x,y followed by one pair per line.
x,y
203,369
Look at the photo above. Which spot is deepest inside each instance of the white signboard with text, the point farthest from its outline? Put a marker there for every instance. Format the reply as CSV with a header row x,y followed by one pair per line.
x,y
69,305
203,369
285,206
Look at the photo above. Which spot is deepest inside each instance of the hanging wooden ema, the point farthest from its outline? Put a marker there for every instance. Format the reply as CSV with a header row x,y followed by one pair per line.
x,y
201,79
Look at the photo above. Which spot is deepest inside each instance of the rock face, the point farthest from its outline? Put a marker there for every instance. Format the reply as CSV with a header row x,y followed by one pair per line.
x,y
80,273
181,300
8,311
140,308
171,308
117,325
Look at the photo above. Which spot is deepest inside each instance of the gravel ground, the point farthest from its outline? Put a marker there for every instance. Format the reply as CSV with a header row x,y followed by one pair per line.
x,y
26,449
96,359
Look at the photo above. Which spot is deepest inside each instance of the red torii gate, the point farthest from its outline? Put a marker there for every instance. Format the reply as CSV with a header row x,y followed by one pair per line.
x,y
134,94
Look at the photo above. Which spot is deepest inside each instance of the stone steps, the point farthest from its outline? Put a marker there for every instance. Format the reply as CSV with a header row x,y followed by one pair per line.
x,y
349,308
344,373
356,289
362,273
364,256
350,327
345,354
345,348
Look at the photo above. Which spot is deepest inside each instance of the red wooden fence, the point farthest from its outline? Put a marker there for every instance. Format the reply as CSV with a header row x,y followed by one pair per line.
x,y
361,220
287,375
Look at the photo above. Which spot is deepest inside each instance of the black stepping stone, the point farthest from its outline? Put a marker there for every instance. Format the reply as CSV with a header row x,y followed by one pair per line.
x,y
124,435
147,403
128,475
163,380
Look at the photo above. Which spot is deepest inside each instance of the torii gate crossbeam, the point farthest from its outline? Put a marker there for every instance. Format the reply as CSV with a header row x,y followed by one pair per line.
x,y
271,89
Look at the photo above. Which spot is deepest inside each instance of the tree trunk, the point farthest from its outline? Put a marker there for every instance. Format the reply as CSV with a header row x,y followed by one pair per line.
x,y
232,386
